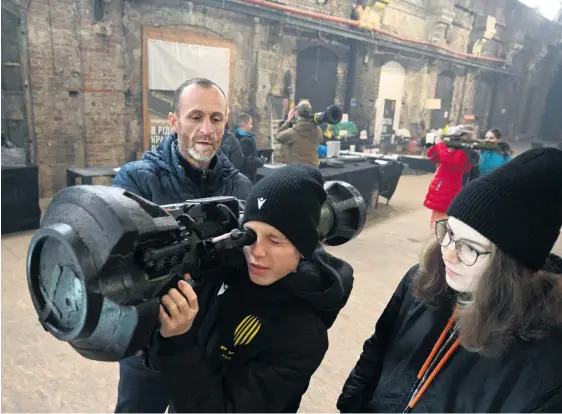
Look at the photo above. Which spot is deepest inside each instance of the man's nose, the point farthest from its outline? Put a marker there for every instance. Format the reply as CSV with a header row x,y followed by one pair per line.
x,y
207,127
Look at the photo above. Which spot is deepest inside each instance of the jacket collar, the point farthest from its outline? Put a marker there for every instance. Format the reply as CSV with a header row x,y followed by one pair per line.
x,y
167,157
241,133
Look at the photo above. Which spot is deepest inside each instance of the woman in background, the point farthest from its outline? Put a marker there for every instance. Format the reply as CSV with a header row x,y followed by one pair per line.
x,y
490,160
448,180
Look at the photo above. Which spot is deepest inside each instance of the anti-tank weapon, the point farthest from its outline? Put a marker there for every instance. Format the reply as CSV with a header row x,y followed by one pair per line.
x,y
332,115
463,140
103,257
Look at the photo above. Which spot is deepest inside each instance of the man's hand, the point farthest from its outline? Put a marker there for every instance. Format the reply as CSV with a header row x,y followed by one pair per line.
x,y
438,140
292,114
182,308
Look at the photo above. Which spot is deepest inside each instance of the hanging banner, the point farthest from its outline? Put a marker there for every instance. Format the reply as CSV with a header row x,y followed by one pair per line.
x,y
170,58
159,106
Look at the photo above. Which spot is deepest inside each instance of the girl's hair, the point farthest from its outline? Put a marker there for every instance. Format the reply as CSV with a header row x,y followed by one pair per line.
x,y
510,302
496,132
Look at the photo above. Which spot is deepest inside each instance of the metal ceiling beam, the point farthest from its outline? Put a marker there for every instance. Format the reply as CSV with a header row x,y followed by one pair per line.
x,y
346,33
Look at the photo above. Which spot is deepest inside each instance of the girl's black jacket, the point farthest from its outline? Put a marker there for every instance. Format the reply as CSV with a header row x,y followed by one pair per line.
x,y
527,378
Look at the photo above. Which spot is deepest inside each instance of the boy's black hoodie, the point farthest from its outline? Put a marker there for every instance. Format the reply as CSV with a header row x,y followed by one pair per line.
x,y
257,348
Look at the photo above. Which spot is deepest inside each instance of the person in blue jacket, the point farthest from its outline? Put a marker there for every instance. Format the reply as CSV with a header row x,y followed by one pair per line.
x,y
490,160
188,164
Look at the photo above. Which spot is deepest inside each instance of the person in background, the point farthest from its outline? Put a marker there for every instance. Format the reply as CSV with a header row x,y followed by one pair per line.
x,y
285,122
448,179
231,147
476,327
449,125
299,137
490,160
187,164
244,133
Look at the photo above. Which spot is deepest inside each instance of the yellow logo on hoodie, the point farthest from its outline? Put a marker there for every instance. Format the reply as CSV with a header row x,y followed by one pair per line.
x,y
246,330
244,333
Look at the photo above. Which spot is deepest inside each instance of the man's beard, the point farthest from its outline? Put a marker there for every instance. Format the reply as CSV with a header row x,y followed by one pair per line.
x,y
189,148
197,156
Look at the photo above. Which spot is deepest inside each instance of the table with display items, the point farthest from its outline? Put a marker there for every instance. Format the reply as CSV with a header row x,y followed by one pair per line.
x,y
371,179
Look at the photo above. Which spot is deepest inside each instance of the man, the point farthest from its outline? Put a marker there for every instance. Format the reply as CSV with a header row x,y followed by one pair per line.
x,y
253,346
187,165
244,133
299,140
451,124
230,146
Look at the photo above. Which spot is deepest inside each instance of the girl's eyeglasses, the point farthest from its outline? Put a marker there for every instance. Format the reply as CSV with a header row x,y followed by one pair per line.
x,y
466,253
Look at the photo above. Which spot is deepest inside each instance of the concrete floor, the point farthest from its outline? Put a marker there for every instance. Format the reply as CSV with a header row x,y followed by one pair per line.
x,y
41,374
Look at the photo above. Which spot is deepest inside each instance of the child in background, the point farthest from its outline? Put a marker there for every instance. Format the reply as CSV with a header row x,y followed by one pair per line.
x,y
448,179
490,160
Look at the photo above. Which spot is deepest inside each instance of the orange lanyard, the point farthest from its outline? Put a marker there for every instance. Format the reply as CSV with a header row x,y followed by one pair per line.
x,y
423,381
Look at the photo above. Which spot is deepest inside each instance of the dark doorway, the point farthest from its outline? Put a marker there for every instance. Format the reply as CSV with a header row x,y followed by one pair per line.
x,y
530,104
14,114
317,75
551,128
440,117
483,102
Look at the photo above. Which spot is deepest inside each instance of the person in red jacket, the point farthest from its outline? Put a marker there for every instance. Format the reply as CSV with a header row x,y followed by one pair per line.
x,y
447,182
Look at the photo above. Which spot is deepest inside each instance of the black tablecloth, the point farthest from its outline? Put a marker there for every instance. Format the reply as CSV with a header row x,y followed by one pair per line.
x,y
364,176
419,163
389,176
20,198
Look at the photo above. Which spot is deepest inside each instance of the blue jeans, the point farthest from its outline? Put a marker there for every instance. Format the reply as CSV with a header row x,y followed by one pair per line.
x,y
140,389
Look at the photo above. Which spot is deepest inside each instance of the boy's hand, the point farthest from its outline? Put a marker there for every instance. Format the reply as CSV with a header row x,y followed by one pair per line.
x,y
182,307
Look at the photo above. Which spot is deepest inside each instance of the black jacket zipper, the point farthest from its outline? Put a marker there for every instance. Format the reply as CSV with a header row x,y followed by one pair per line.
x,y
203,179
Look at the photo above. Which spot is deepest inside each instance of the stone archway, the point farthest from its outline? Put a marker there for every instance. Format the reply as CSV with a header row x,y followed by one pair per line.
x,y
389,101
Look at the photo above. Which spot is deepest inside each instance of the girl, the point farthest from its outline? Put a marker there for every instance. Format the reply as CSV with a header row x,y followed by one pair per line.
x,y
477,325
490,160
448,179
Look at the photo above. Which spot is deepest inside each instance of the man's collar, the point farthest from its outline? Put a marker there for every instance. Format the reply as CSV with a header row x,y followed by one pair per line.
x,y
187,170
240,132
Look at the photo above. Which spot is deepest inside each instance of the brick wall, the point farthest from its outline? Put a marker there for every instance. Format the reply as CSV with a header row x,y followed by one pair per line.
x,y
405,20
415,95
86,76
332,7
467,105
367,89
77,89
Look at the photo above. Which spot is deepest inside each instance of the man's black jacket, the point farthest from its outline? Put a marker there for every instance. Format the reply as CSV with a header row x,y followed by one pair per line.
x,y
527,378
251,160
164,176
258,352
230,146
